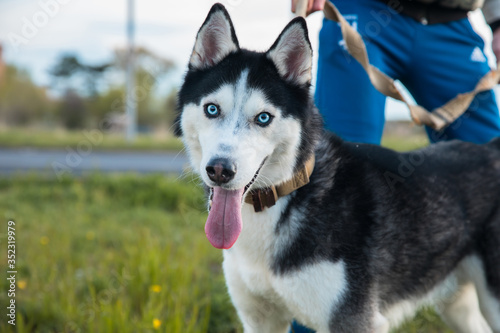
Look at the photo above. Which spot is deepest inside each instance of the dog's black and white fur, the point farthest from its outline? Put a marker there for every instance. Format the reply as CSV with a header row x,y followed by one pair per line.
x,y
375,234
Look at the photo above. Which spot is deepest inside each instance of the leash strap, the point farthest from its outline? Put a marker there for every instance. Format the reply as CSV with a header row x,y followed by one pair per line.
x,y
267,197
438,118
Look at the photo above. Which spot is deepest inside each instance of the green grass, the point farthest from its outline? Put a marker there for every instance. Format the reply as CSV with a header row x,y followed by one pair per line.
x,y
97,140
112,254
404,143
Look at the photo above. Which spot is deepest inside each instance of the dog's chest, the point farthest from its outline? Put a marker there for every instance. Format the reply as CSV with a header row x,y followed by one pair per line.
x,y
253,252
309,293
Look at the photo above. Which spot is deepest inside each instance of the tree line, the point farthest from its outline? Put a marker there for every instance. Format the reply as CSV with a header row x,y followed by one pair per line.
x,y
83,95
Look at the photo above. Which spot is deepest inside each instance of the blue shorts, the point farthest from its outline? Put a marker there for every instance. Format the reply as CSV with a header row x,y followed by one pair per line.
x,y
434,62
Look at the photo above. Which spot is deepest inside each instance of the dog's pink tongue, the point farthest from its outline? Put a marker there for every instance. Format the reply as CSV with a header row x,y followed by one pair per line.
x,y
224,219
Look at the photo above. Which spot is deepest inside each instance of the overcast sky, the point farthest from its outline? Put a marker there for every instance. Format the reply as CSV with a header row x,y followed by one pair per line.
x,y
93,28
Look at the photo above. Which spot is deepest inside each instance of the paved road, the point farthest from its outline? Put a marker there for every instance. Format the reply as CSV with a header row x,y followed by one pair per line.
x,y
63,161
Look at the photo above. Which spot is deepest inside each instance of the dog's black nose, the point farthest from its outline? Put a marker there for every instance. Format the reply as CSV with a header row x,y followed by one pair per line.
x,y
220,170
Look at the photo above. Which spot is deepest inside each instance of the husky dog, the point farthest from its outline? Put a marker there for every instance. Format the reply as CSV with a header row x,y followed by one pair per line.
x,y
342,237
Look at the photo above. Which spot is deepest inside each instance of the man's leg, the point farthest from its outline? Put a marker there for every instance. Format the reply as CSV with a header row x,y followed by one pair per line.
x,y
350,105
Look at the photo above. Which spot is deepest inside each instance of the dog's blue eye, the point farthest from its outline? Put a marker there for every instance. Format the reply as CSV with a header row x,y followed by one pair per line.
x,y
263,119
211,110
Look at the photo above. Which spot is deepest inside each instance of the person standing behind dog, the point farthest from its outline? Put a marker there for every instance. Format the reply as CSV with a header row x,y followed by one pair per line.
x,y
428,45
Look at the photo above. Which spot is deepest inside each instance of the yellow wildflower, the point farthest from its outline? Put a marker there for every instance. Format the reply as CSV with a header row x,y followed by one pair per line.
x,y
156,323
44,240
156,288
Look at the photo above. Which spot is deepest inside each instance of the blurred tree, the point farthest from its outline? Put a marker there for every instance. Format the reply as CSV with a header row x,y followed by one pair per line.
x,y
72,110
144,59
2,64
147,114
150,69
170,105
107,102
69,66
21,101
84,100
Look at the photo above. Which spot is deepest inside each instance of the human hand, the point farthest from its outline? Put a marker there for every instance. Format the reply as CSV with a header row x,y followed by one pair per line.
x,y
314,6
495,44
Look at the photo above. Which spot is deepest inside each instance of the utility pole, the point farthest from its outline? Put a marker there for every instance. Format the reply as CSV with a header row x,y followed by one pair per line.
x,y
130,104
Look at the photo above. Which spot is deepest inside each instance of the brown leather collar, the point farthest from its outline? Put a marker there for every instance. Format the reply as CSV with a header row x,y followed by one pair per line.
x,y
267,197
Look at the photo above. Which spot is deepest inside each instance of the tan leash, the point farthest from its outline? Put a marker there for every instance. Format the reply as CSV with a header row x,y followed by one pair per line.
x,y
438,118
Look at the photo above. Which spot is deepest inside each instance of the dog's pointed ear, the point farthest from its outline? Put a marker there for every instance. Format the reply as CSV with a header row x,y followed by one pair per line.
x,y
292,53
215,39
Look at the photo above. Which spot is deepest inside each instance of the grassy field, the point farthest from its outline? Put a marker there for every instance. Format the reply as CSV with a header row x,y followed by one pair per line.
x,y
118,254
37,138
121,253
112,254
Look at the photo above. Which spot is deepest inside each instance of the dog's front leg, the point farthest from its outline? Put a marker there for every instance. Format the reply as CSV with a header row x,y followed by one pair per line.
x,y
258,314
